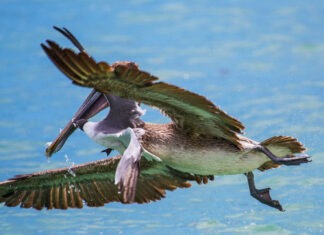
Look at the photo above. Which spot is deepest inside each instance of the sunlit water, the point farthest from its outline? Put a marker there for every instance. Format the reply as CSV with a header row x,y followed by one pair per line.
x,y
260,61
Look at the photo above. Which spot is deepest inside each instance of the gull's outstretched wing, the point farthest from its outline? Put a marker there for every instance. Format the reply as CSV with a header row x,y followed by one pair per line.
x,y
91,184
188,110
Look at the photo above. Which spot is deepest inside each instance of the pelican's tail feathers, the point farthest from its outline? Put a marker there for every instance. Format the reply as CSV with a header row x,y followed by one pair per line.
x,y
287,142
281,146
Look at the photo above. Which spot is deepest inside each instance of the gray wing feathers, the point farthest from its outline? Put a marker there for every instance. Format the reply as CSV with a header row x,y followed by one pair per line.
x,y
128,167
124,113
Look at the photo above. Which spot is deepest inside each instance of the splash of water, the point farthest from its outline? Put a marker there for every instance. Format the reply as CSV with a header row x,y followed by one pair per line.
x,y
70,165
47,144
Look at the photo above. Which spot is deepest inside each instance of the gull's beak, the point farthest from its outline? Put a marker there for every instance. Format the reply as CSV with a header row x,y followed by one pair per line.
x,y
94,103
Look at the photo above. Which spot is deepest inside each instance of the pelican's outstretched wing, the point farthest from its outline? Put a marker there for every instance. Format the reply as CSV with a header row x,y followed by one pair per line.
x,y
92,183
188,110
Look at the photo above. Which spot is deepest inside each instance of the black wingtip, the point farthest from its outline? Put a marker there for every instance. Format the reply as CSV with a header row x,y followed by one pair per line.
x,y
65,32
44,46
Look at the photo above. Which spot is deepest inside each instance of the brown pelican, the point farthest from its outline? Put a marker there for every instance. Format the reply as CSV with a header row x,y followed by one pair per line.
x,y
201,141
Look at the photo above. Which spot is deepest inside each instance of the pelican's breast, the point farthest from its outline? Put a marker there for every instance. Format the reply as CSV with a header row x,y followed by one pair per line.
x,y
199,155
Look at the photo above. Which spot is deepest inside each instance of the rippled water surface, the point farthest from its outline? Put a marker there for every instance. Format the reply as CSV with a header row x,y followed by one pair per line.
x,y
260,61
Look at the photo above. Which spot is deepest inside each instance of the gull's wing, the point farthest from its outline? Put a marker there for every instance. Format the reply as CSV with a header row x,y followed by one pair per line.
x,y
91,184
189,111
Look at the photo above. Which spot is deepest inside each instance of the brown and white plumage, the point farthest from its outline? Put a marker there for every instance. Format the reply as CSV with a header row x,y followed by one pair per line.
x,y
188,110
91,184
201,141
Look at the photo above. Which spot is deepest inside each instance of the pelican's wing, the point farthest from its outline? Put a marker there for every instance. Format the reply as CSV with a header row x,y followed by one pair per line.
x,y
188,110
91,183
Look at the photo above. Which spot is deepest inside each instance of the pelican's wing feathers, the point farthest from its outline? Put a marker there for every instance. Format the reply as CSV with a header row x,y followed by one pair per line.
x,y
91,183
188,110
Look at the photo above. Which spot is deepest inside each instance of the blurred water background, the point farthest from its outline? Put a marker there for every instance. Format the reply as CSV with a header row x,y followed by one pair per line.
x,y
260,61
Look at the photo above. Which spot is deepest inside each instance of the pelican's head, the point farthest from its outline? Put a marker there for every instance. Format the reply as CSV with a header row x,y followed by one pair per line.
x,y
94,103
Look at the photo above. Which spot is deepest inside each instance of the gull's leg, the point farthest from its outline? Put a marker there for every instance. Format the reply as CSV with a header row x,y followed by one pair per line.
x,y
262,195
287,160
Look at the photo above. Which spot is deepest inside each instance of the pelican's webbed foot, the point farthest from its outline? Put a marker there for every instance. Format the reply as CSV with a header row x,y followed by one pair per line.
x,y
288,160
262,195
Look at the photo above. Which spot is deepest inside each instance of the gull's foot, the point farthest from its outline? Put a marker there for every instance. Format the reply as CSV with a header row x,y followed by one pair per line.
x,y
262,195
107,151
288,160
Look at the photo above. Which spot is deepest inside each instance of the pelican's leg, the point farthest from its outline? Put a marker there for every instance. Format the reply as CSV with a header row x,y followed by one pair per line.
x,y
287,160
262,195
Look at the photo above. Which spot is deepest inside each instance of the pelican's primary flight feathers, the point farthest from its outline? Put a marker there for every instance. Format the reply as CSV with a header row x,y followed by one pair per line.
x,y
200,142
92,183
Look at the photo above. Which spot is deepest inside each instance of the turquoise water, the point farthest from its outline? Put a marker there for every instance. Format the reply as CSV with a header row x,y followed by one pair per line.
x,y
261,62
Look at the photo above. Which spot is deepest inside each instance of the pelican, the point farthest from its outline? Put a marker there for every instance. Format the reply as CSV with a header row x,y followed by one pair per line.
x,y
200,142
